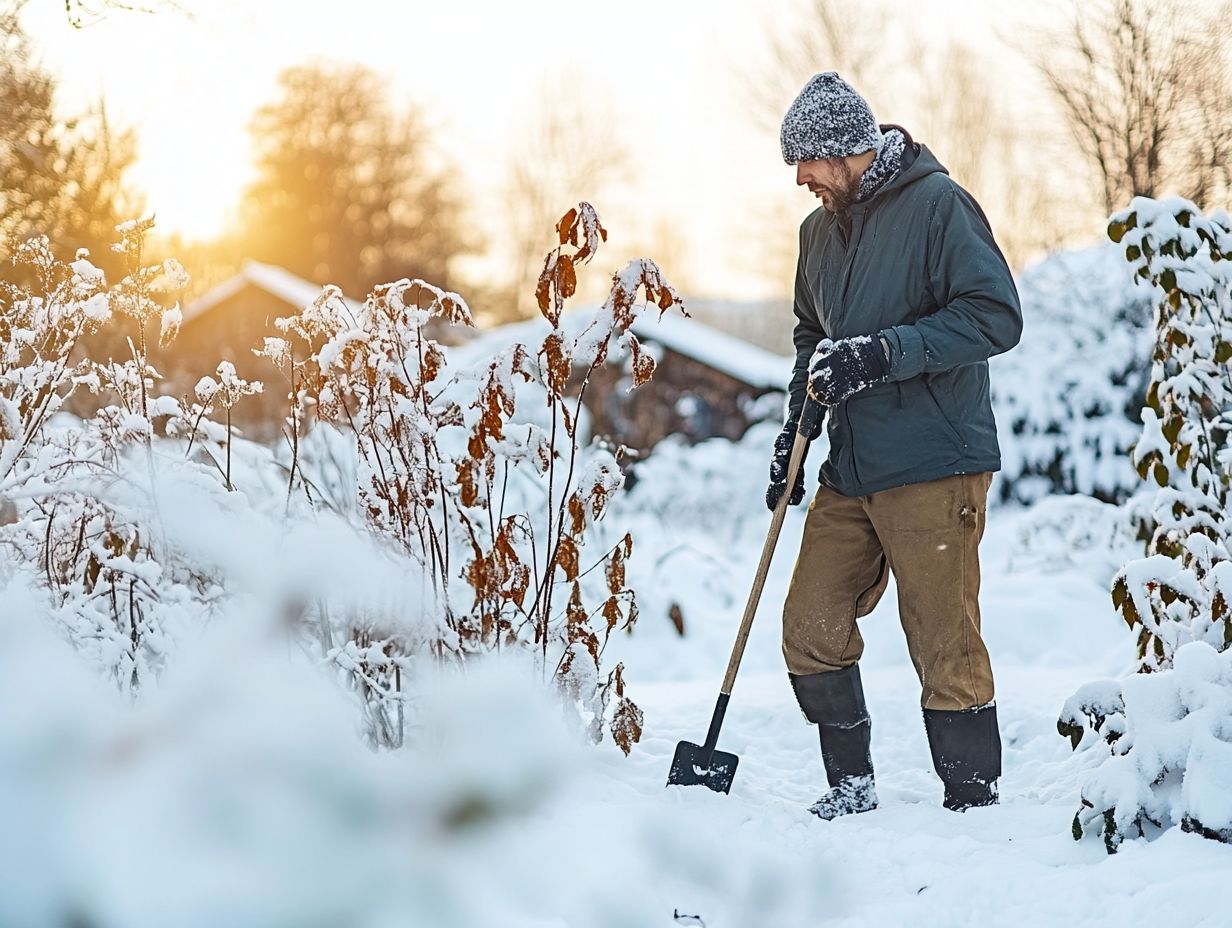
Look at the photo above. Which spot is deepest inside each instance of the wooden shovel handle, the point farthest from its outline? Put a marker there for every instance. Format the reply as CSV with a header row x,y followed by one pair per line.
x,y
809,417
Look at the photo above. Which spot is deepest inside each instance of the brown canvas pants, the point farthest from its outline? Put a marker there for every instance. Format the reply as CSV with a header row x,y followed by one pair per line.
x,y
928,534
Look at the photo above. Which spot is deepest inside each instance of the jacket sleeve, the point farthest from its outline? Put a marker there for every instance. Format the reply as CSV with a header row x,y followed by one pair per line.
x,y
978,313
807,333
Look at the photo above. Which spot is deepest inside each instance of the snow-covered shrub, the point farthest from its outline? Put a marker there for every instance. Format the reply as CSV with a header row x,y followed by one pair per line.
x,y
480,475
40,327
1165,742
1180,592
1067,396
1161,744
76,507
454,522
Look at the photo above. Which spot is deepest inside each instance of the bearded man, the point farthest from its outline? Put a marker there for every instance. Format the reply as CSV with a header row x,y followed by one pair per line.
x,y
901,296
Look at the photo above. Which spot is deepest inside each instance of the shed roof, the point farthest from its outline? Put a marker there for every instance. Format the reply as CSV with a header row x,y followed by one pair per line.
x,y
276,281
733,356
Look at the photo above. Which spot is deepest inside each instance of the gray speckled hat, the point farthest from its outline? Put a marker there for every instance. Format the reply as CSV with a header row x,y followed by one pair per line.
x,y
828,120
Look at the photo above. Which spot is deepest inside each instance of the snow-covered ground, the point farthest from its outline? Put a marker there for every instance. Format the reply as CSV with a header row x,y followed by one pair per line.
x,y
238,792
910,862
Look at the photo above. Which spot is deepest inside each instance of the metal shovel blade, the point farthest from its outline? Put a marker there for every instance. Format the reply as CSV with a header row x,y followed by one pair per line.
x,y
693,765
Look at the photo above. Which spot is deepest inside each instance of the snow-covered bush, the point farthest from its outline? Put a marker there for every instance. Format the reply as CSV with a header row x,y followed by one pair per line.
x,y
1067,396
1165,742
1161,746
70,490
472,494
480,475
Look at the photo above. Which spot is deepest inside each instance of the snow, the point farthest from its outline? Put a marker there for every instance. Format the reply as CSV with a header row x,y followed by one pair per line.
x,y
1065,396
238,791
733,356
1173,758
236,785
291,289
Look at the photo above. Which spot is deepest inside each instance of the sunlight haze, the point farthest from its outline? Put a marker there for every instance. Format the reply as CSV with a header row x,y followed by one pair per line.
x,y
669,73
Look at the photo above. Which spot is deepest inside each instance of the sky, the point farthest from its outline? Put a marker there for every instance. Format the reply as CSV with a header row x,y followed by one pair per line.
x,y
671,72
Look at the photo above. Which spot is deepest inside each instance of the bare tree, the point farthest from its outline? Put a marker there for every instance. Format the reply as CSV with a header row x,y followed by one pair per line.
x,y
827,36
569,150
1005,154
82,13
960,114
59,176
1143,86
948,98
348,191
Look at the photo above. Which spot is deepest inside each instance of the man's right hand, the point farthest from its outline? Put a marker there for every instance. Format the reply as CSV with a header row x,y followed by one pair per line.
x,y
778,469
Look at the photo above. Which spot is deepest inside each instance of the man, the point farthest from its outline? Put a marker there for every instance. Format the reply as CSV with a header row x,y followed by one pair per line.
x,y
901,296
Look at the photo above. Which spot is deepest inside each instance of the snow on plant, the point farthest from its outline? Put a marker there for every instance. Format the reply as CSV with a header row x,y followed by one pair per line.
x,y
226,391
1165,742
1180,591
1067,397
482,476
76,510
40,326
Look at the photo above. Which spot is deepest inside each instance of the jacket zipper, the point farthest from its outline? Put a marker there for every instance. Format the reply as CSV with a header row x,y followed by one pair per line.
x,y
857,232
851,445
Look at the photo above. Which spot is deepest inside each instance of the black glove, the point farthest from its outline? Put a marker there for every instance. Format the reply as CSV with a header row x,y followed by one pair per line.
x,y
778,466
840,368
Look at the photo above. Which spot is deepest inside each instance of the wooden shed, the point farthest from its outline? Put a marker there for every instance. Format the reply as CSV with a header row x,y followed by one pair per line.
x,y
706,384
226,324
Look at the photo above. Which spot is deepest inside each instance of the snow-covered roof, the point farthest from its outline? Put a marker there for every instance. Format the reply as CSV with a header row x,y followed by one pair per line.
x,y
733,356
728,354
277,281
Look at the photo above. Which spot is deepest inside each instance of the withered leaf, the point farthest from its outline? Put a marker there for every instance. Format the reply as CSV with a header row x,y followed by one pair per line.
x,y
566,227
433,360
598,500
557,363
627,725
577,515
611,612
566,277
575,612
643,364
467,480
543,295
519,583
567,557
616,572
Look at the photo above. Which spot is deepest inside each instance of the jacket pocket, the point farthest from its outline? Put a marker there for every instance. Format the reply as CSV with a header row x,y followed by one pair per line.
x,y
946,418
898,443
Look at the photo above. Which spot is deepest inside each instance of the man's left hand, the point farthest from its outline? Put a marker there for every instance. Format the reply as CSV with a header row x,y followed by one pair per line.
x,y
841,368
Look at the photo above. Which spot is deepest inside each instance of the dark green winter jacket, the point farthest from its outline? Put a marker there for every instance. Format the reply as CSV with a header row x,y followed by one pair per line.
x,y
917,263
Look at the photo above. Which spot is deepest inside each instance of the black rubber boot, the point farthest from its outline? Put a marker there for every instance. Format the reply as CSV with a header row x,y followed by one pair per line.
x,y
966,748
835,702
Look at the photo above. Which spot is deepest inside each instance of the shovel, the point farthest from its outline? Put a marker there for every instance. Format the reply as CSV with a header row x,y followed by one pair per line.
x,y
695,764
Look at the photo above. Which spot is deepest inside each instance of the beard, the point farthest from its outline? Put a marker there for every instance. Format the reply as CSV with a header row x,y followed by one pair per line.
x,y
846,189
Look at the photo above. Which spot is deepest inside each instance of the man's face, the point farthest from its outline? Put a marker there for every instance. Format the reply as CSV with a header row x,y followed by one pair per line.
x,y
831,179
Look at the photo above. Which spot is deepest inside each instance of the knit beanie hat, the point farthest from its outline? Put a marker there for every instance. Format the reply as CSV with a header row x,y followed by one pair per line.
x,y
828,120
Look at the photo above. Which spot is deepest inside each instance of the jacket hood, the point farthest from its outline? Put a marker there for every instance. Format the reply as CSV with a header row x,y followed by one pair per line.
x,y
918,162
